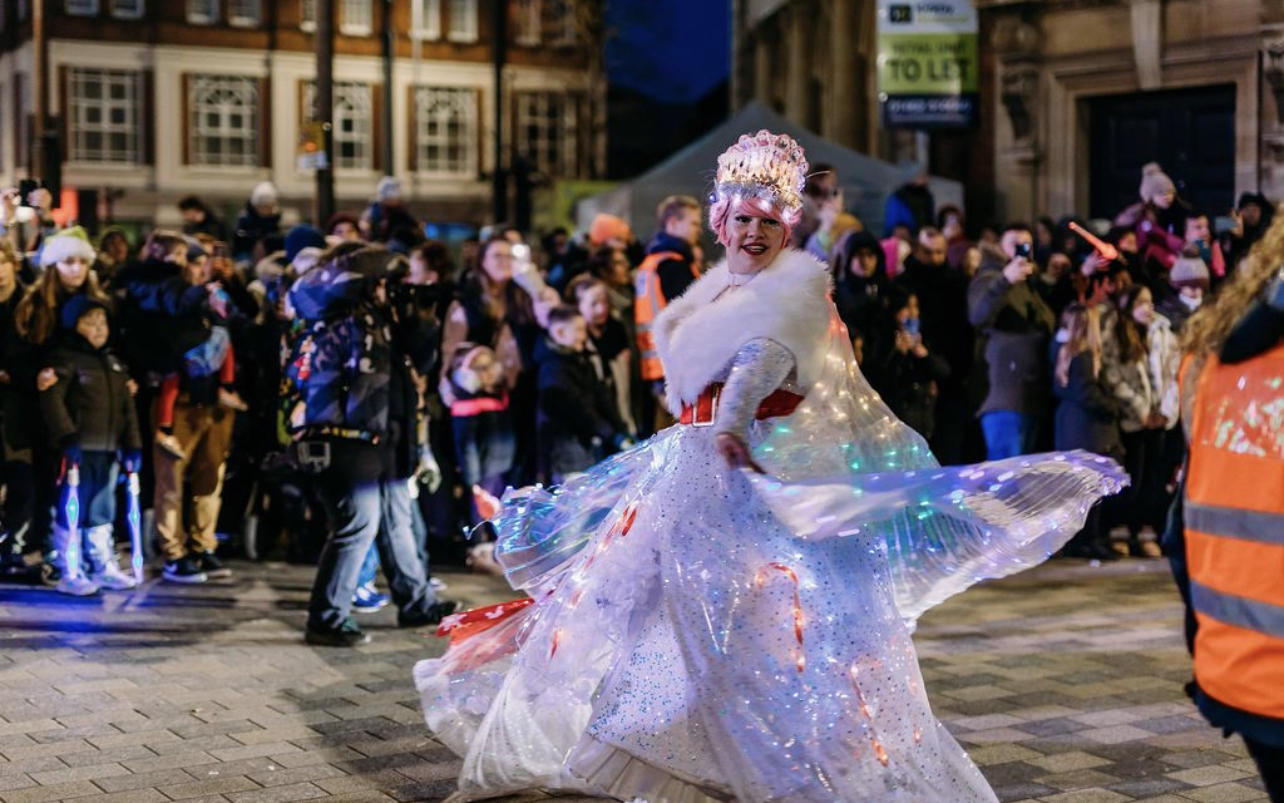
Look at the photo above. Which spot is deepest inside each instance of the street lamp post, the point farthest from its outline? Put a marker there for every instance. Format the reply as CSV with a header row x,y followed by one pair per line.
x,y
323,111
499,25
389,53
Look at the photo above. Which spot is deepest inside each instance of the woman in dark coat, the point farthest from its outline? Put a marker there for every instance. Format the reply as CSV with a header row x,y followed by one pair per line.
x,y
1087,416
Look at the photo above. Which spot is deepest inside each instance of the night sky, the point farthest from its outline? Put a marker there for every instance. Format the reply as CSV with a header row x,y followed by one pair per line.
x,y
672,50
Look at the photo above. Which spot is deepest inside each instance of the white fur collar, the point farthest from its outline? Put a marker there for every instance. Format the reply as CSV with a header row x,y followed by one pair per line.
x,y
787,302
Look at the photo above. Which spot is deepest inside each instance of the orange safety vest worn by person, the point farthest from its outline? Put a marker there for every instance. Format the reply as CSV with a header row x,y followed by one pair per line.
x,y
649,300
668,270
1234,514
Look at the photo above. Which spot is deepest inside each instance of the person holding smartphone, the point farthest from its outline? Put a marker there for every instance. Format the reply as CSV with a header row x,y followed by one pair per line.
x,y
1014,324
911,373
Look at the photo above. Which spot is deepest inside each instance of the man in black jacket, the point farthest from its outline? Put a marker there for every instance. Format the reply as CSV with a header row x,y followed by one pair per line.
x,y
354,419
1016,324
942,300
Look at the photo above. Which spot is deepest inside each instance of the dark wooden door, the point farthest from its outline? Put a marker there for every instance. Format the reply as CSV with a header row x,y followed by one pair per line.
x,y
1190,132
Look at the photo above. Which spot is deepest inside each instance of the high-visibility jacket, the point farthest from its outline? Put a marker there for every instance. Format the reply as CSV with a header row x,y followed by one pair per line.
x,y
646,306
1234,515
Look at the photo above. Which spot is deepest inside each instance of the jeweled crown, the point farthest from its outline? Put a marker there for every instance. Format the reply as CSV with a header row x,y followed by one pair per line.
x,y
772,166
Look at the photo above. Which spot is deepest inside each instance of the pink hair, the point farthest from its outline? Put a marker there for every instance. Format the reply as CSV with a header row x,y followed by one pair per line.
x,y
724,206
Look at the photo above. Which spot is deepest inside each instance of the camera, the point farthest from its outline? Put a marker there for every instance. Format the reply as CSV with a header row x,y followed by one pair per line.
x,y
1024,250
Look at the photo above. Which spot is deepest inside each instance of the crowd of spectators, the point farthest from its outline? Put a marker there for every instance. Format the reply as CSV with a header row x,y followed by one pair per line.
x,y
178,358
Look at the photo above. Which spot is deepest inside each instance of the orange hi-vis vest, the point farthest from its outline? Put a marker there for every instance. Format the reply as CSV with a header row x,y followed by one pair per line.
x,y
1234,512
647,304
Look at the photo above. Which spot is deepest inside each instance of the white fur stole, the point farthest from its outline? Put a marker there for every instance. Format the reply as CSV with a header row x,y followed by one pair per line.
x,y
787,302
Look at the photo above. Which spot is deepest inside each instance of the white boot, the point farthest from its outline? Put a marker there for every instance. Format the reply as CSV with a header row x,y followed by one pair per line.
x,y
69,564
103,566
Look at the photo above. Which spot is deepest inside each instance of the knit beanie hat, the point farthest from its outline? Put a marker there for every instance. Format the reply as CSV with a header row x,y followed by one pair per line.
x,y
388,189
300,237
1189,271
264,194
608,227
64,245
1154,181
77,307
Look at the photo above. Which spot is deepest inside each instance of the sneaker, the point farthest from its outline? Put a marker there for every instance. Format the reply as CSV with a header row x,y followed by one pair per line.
x,y
348,635
432,616
77,586
368,599
184,570
232,400
211,565
171,445
437,584
113,579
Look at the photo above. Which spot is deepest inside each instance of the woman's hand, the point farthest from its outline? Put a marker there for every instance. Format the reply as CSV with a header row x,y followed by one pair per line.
x,y
736,452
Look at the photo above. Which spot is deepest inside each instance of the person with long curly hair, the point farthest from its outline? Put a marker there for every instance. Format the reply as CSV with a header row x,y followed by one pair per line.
x,y
1225,543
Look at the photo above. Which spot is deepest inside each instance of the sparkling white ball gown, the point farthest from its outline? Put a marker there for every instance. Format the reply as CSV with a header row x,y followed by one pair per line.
x,y
701,634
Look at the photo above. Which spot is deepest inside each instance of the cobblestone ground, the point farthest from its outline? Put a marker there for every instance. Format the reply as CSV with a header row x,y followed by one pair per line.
x,y
1064,684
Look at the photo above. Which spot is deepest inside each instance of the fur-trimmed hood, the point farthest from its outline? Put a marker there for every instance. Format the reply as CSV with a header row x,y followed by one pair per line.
x,y
787,302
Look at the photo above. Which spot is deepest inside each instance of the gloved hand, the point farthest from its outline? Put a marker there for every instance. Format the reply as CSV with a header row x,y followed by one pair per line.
x,y
131,460
428,472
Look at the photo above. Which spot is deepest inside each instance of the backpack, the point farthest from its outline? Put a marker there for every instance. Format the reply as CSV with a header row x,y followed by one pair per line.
x,y
337,378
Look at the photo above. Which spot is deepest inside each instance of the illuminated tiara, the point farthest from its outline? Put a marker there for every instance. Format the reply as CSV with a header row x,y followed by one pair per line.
x,y
764,165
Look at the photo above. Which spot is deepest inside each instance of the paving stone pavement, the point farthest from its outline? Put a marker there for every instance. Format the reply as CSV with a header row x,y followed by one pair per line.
x,y
1063,683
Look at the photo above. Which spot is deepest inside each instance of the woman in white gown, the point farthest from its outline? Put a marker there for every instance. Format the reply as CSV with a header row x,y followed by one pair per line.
x,y
724,612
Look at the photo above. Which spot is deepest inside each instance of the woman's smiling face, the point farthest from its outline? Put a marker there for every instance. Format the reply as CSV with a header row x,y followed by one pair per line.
x,y
753,240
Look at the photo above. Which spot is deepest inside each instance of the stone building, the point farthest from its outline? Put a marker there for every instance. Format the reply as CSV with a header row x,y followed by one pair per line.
x,y
160,98
1076,95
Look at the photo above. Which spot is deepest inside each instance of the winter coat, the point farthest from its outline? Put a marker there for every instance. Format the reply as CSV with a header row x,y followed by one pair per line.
x,y
1087,416
161,315
90,404
251,227
18,412
911,206
578,420
1160,232
943,308
1015,324
1163,360
911,387
386,221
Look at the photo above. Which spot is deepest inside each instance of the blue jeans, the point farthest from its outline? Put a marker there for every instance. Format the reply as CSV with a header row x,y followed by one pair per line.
x,y
1007,433
369,567
361,514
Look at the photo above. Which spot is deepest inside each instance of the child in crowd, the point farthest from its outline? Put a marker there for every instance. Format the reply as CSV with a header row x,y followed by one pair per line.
x,y
485,443
910,372
90,417
1087,416
608,343
578,420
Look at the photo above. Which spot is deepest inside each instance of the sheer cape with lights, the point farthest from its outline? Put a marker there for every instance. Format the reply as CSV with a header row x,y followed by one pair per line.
x,y
697,634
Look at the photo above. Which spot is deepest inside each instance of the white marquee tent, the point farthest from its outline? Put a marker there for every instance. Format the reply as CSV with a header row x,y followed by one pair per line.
x,y
866,181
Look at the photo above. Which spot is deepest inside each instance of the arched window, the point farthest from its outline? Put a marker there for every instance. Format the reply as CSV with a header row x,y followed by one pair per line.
x,y
353,113
445,130
223,121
